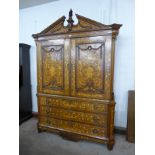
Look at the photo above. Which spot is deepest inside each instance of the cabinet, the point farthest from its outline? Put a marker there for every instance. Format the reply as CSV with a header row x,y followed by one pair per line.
x,y
25,102
75,66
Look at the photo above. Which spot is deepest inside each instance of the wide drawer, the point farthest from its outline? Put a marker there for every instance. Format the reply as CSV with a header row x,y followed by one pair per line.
x,y
77,105
73,126
89,118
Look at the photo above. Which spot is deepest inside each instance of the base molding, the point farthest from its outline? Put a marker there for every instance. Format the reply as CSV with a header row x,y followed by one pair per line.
x,y
76,136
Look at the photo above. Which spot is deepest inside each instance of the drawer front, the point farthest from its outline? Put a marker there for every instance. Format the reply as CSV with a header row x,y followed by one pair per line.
x,y
74,127
78,105
90,118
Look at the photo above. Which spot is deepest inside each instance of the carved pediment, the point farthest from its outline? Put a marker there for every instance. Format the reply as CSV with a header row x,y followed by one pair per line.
x,y
84,24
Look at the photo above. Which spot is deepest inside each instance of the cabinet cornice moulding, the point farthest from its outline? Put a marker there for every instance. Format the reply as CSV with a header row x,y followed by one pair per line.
x,y
84,24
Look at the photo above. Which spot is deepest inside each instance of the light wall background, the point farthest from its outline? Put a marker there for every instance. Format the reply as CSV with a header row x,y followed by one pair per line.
x,y
35,19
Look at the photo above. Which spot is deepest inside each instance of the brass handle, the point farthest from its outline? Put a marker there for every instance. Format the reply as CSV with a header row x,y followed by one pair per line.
x,y
99,108
69,111
95,131
96,119
96,107
71,124
48,121
47,110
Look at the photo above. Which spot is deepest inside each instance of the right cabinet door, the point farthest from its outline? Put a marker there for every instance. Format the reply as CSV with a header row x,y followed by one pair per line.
x,y
91,67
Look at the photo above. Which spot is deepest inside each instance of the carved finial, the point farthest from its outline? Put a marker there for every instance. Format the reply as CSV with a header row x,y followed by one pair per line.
x,y
70,13
70,20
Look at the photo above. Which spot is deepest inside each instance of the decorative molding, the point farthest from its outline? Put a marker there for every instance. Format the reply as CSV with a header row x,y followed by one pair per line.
x,y
84,24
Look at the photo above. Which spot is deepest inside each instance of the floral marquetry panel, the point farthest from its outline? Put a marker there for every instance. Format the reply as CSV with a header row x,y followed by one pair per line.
x,y
89,72
89,68
53,68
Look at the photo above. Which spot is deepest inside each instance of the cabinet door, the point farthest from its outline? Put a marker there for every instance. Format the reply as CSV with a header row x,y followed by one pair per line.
x,y
91,67
52,67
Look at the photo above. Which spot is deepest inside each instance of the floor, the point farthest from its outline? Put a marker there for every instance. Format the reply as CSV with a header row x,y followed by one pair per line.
x,y
34,143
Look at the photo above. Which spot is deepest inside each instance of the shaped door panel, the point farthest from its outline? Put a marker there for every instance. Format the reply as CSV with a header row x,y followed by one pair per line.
x,y
53,65
90,73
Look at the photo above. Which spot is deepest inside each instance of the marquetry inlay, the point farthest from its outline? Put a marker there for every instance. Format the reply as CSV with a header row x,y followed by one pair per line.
x,y
75,70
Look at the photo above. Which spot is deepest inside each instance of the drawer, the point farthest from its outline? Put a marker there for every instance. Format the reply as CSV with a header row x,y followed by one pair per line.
x,y
89,118
74,127
78,105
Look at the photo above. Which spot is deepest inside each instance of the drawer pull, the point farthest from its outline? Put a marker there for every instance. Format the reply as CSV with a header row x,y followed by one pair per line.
x,y
48,121
71,124
69,111
96,119
95,131
96,107
47,111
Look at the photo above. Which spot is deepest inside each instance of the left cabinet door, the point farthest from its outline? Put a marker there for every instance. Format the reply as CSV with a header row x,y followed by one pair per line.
x,y
53,61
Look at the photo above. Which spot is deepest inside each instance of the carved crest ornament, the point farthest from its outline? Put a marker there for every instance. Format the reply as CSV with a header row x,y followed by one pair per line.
x,y
84,24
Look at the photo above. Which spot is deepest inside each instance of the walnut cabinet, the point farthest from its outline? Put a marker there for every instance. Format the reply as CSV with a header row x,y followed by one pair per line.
x,y
75,70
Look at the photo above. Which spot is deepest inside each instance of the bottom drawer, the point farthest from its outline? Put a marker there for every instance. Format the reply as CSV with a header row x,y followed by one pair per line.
x,y
74,127
90,118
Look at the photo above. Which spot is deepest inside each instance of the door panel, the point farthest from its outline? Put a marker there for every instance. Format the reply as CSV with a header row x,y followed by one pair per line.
x,y
54,77
90,75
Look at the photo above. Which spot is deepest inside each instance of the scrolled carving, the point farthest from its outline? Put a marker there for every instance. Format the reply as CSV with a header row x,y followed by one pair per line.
x,y
90,47
52,50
